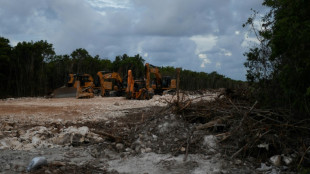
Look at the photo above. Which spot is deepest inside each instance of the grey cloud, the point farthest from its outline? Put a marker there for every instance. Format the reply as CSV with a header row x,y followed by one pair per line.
x,y
169,49
175,17
159,30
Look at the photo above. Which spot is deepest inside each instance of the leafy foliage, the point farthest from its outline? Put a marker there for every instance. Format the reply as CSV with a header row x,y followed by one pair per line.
x,y
5,55
279,66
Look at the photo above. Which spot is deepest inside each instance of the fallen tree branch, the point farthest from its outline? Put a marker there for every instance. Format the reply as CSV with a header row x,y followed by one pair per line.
x,y
212,123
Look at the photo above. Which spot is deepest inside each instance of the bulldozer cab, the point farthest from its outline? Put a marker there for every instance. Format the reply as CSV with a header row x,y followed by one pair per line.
x,y
83,79
70,80
166,82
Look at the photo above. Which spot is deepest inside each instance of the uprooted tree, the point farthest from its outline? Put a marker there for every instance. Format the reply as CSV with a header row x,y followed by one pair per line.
x,y
279,66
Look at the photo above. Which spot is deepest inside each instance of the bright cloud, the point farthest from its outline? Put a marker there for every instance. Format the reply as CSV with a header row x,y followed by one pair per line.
x,y
122,4
204,62
225,52
202,56
204,43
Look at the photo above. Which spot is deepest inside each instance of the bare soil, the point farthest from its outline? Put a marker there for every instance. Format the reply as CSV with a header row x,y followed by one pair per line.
x,y
105,135
70,109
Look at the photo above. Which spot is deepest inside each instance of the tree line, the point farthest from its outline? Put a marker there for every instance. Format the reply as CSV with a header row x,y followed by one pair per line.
x,y
34,69
279,66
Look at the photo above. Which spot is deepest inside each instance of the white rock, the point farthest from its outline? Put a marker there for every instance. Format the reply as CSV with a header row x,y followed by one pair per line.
x,y
35,140
287,160
182,149
148,150
238,162
155,137
210,142
128,149
36,163
276,160
83,130
263,167
263,145
119,146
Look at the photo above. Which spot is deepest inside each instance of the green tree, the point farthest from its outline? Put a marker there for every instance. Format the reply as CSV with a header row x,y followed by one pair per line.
x,y
5,73
80,59
29,67
124,63
280,65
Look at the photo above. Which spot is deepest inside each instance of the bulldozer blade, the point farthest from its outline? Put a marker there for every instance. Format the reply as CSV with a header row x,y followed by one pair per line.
x,y
64,92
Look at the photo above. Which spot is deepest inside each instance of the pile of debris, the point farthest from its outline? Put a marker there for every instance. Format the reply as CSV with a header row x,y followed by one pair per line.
x,y
198,132
269,137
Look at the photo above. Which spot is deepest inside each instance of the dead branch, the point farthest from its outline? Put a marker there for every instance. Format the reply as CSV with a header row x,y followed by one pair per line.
x,y
213,122
303,156
115,138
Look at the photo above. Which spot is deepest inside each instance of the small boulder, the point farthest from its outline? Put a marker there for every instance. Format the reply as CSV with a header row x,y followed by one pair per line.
x,y
148,150
276,160
36,163
119,146
287,160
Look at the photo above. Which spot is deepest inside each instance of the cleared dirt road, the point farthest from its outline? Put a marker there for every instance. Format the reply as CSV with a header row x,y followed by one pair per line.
x,y
71,109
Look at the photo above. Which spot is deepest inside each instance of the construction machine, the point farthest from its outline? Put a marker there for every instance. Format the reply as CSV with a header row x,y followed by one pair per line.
x,y
109,84
137,89
78,85
159,83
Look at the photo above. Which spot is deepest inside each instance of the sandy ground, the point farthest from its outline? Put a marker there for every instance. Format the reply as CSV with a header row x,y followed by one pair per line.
x,y
66,131
71,109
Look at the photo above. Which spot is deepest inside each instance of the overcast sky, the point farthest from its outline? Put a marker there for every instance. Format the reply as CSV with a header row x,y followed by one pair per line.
x,y
199,35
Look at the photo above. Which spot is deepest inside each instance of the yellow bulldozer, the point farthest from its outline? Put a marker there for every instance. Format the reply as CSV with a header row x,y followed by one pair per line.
x,y
110,84
137,89
83,86
145,89
78,85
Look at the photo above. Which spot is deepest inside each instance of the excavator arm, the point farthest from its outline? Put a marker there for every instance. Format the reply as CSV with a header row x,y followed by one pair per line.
x,y
130,86
162,83
154,70
106,86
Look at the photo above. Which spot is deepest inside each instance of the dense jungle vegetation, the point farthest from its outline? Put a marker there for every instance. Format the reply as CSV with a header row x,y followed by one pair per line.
x,y
34,69
279,66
